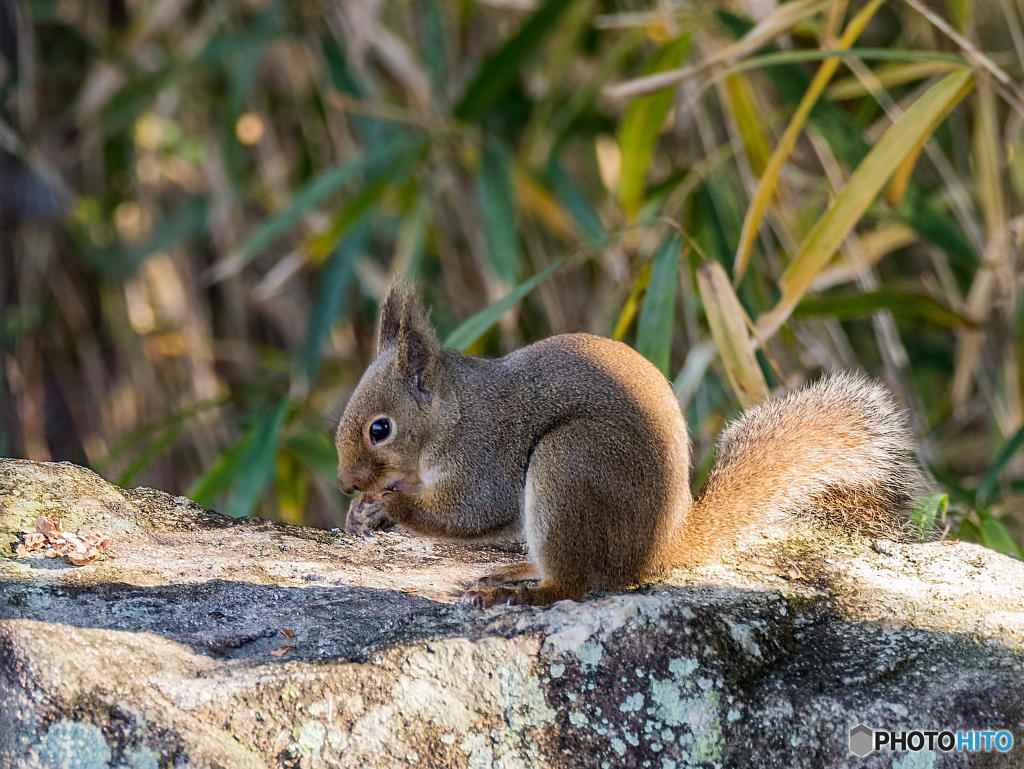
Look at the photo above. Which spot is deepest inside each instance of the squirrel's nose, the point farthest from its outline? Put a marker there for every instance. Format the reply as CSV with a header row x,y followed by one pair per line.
x,y
350,481
346,483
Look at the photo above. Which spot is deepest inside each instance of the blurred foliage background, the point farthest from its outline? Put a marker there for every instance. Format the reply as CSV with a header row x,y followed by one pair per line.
x,y
202,204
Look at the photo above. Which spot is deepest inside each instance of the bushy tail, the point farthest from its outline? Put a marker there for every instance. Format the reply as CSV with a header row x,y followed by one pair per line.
x,y
838,451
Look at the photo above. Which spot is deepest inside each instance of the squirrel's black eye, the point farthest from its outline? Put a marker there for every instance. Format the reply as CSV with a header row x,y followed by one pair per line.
x,y
380,430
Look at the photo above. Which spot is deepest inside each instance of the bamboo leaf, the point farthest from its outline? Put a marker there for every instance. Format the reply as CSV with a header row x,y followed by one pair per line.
x,y
989,484
889,75
901,179
844,139
497,72
256,461
434,45
937,226
770,177
292,487
691,375
536,199
783,58
988,173
655,325
781,18
920,306
969,532
315,450
632,305
312,194
336,275
640,126
862,188
155,448
728,322
144,436
410,246
386,173
565,188
929,512
871,247
749,121
475,327
498,206
218,477
993,534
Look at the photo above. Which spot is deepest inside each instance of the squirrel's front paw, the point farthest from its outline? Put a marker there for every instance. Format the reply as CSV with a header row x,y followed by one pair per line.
x,y
366,514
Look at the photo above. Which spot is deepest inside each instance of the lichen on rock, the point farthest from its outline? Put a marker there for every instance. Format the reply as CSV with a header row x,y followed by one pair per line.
x,y
163,654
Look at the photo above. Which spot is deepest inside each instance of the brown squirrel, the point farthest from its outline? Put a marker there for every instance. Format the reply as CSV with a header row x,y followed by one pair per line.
x,y
577,443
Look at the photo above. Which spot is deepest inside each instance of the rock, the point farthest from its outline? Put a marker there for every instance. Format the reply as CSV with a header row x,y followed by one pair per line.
x,y
163,654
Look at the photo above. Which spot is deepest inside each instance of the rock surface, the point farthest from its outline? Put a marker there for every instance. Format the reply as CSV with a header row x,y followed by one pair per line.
x,y
163,654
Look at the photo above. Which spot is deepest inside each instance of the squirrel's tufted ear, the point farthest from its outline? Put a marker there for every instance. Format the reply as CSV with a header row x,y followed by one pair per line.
x,y
391,316
419,350
404,326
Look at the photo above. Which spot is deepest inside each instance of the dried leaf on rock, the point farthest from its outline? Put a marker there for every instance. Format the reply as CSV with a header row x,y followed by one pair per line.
x,y
49,534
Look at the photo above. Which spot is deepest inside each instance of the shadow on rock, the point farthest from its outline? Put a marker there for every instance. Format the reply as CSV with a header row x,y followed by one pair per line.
x,y
240,620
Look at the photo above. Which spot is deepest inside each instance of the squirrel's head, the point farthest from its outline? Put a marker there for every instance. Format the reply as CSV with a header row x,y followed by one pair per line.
x,y
395,406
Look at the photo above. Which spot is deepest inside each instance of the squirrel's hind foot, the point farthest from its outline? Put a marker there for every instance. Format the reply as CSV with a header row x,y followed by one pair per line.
x,y
507,575
520,595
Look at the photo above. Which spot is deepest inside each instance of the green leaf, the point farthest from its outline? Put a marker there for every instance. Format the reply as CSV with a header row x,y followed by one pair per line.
x,y
938,227
312,194
291,484
315,450
929,512
641,124
588,222
336,275
497,72
475,327
968,532
993,534
383,173
868,54
631,308
865,305
833,124
256,461
769,179
143,437
989,484
434,44
218,478
861,189
498,205
721,220
169,436
655,324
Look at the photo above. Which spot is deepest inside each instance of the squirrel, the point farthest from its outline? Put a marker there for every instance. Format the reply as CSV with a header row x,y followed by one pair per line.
x,y
577,443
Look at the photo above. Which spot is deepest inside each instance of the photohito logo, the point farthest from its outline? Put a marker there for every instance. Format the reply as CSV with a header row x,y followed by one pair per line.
x,y
864,740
